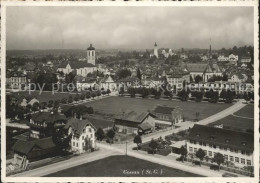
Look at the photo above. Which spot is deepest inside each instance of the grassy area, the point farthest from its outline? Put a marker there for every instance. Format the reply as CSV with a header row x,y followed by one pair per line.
x,y
115,166
237,123
114,105
247,111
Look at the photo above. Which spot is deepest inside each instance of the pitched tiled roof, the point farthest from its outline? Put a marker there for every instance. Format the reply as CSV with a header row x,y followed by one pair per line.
x,y
222,137
76,65
99,123
163,109
78,125
145,126
25,147
48,117
133,116
197,67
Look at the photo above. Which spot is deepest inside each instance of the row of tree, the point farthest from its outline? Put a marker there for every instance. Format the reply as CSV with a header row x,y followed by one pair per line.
x,y
200,154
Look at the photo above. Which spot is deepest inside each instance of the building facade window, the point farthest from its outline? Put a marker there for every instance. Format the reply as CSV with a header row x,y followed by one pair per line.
x,y
236,159
248,162
190,149
210,153
226,157
231,158
243,161
195,149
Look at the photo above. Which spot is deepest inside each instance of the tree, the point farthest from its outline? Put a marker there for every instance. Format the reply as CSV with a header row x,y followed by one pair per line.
x,y
230,96
108,91
145,92
76,98
98,93
61,138
154,145
183,152
223,94
70,100
198,79
82,96
35,106
200,154
50,104
29,107
100,134
87,95
103,92
131,91
121,91
184,95
137,141
138,74
111,134
199,96
64,101
123,73
88,144
219,159
93,95
20,112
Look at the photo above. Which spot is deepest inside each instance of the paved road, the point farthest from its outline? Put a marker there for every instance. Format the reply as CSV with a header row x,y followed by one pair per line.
x,y
108,150
75,161
184,126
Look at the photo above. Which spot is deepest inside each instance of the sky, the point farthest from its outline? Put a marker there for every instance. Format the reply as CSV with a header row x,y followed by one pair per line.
x,y
128,27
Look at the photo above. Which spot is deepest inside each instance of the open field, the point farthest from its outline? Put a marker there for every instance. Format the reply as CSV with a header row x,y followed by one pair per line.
x,y
247,111
114,166
114,105
238,123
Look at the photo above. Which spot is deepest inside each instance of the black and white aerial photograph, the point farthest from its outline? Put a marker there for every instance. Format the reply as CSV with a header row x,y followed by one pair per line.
x,y
130,91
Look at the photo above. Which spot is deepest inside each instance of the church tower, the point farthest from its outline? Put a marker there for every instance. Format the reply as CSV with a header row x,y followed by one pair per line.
x,y
155,50
91,55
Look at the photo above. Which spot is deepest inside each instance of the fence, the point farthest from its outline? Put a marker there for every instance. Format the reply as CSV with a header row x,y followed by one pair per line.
x,y
229,169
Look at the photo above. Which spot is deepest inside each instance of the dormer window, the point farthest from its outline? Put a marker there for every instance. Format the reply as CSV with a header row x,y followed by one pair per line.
x,y
197,135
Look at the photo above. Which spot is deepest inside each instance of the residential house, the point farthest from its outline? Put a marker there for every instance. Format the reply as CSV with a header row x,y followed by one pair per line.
x,y
84,83
83,134
183,56
26,151
125,83
237,77
204,58
108,83
42,124
244,60
16,81
233,59
134,122
32,101
223,58
236,147
152,82
167,116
